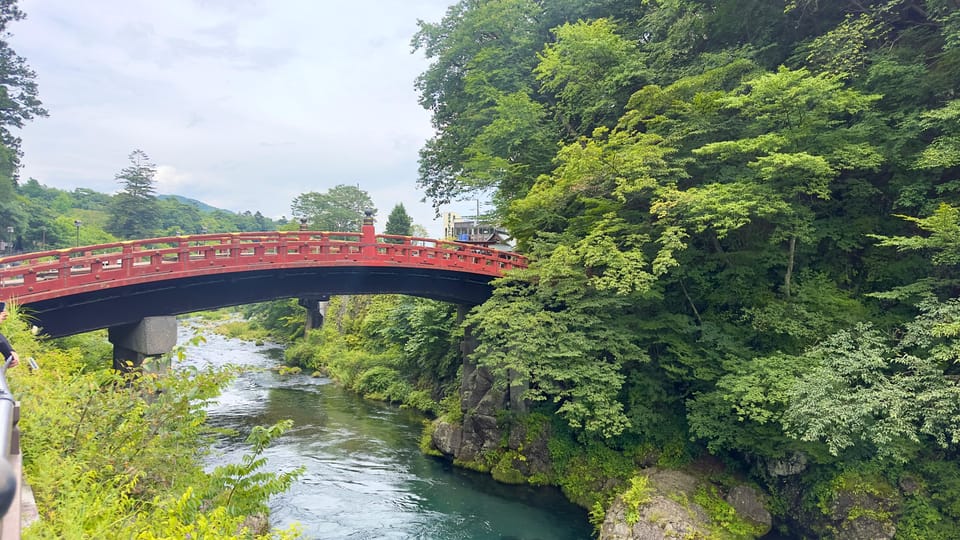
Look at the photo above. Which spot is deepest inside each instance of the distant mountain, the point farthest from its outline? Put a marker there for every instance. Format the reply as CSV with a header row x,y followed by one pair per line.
x,y
202,206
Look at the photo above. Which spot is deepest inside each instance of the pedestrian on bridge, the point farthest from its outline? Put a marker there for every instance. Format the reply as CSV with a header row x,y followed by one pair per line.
x,y
5,348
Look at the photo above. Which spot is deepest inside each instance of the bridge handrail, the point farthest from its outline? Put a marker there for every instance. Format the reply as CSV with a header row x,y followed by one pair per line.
x,y
11,461
38,272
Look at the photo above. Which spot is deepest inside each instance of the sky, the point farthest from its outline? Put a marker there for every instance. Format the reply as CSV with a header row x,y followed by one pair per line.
x,y
241,104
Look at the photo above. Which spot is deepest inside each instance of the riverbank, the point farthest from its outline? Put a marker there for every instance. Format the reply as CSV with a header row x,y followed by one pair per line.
x,y
365,475
391,348
478,425
114,456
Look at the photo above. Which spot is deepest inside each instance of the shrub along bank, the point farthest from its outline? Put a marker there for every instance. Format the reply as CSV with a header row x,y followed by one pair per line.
x,y
405,351
390,348
112,456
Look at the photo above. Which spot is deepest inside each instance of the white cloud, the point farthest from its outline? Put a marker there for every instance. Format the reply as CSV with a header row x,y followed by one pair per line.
x,y
246,104
171,180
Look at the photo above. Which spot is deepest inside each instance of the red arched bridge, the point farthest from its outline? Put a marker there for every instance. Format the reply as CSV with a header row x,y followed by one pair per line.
x,y
70,291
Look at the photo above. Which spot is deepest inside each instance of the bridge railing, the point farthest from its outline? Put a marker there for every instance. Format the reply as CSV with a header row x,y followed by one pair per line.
x,y
11,461
34,274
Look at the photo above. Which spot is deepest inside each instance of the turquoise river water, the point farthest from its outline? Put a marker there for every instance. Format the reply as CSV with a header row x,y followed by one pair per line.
x,y
365,476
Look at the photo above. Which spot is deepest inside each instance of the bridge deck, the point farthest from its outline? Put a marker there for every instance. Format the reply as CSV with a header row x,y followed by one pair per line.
x,y
38,276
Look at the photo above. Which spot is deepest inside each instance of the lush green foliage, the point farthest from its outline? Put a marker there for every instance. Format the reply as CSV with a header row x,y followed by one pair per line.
x,y
573,347
399,221
110,456
636,495
743,229
283,320
724,520
389,348
341,208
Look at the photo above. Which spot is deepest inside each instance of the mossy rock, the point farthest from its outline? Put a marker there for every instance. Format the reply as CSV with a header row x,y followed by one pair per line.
x,y
506,470
674,504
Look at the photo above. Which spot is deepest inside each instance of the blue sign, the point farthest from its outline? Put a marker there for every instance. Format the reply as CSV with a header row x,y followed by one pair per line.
x,y
464,238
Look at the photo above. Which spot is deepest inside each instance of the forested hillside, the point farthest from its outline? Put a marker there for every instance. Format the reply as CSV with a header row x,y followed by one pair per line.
x,y
46,218
743,218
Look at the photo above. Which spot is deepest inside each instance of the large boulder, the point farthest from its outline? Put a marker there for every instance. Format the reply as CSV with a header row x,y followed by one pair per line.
x,y
447,438
668,509
860,515
750,505
478,443
662,516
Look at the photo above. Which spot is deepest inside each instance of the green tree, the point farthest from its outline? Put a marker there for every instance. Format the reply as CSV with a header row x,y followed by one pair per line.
x,y
944,151
19,100
720,218
79,439
859,391
479,84
592,71
135,211
340,209
423,333
399,222
18,104
177,217
551,328
89,199
11,209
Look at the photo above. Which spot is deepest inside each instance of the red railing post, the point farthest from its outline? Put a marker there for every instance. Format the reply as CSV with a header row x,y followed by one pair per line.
x,y
183,253
64,271
282,247
368,236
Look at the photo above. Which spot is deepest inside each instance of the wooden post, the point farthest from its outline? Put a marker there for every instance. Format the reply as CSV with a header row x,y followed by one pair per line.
x,y
368,235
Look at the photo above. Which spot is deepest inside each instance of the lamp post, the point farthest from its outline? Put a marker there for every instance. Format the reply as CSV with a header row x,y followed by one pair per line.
x,y
10,239
77,223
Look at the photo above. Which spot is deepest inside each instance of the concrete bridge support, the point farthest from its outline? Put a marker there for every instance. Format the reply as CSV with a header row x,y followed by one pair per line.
x,y
133,343
316,307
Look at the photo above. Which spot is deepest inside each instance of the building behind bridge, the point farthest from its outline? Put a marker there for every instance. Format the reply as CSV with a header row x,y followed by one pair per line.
x,y
475,231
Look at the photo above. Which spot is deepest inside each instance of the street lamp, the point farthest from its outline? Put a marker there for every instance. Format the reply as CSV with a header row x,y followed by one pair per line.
x,y
77,223
10,239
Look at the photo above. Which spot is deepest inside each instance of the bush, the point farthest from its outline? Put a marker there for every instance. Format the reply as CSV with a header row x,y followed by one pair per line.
x,y
114,456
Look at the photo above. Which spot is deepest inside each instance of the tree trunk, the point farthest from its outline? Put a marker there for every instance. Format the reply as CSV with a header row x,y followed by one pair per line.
x,y
786,279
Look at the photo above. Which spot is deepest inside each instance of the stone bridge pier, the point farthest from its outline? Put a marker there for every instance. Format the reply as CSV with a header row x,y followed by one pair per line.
x,y
316,307
133,343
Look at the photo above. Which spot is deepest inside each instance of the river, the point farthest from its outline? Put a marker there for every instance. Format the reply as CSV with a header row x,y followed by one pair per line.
x,y
365,477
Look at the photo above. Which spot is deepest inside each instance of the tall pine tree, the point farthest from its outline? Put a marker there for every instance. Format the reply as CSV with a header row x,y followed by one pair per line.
x,y
18,92
135,212
399,222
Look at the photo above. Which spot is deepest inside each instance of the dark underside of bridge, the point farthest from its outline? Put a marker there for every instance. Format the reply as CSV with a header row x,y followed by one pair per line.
x,y
129,304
